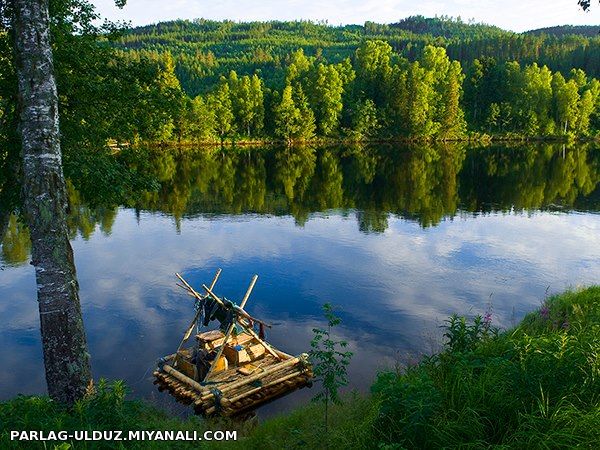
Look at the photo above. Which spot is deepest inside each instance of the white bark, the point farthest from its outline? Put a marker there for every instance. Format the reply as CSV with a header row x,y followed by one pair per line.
x,y
44,195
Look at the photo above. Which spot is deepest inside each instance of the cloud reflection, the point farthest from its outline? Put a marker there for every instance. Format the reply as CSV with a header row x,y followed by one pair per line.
x,y
393,287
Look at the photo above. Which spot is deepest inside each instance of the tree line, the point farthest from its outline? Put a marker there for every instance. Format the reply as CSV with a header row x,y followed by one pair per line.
x,y
380,95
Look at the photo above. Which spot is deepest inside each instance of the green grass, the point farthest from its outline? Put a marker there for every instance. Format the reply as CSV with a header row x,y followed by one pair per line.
x,y
535,386
106,411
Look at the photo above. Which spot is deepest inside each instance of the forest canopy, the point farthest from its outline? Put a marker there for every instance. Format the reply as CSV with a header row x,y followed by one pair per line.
x,y
419,78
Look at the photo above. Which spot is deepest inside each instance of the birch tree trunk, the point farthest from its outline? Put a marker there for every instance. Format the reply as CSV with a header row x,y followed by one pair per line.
x,y
66,357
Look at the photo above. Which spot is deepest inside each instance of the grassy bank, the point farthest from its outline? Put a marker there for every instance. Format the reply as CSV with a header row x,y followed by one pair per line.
x,y
535,386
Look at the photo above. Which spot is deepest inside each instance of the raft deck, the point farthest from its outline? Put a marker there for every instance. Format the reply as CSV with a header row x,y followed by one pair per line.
x,y
236,390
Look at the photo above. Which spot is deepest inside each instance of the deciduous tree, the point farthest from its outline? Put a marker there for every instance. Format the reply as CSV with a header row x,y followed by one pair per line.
x,y
66,356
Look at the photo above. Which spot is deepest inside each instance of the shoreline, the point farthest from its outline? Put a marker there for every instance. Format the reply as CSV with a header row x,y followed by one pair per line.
x,y
488,140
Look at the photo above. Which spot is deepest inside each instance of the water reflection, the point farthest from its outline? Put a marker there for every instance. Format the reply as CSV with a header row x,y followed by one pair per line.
x,y
433,238
16,245
422,183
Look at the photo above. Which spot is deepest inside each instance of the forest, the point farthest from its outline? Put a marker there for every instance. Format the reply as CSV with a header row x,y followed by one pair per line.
x,y
420,78
210,82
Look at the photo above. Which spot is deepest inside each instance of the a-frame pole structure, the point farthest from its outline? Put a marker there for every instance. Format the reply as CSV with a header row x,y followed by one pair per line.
x,y
231,326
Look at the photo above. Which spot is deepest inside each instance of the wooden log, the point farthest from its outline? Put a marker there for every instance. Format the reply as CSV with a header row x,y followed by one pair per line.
x,y
282,355
255,403
228,401
234,388
182,377
251,378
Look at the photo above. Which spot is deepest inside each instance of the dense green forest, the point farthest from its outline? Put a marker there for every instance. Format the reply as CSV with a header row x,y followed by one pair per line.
x,y
295,81
205,50
419,78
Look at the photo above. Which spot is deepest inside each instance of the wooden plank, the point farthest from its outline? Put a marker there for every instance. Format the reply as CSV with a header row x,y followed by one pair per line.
x,y
209,336
267,346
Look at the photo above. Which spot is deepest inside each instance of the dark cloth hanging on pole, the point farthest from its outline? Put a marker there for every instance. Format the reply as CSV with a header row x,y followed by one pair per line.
x,y
214,311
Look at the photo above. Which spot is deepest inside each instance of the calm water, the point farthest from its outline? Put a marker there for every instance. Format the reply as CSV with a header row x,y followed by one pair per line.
x,y
398,238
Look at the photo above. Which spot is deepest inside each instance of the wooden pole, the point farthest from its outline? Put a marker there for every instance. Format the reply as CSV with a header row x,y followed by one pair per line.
x,y
191,289
214,281
248,292
190,329
186,289
231,327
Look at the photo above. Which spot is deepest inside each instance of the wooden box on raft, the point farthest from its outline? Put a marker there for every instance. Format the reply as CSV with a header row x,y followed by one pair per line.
x,y
250,372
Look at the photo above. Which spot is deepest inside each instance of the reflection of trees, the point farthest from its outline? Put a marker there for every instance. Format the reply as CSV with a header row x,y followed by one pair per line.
x,y
293,170
529,177
372,221
84,220
15,243
423,183
418,182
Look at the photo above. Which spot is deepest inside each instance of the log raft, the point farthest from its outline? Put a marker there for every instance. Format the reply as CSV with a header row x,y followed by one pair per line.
x,y
232,372
234,390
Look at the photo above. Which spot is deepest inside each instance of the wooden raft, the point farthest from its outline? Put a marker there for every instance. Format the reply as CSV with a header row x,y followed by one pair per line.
x,y
233,372
235,391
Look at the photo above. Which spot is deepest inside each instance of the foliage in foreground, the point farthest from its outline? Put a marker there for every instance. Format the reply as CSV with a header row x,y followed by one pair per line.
x,y
107,410
330,362
535,386
532,387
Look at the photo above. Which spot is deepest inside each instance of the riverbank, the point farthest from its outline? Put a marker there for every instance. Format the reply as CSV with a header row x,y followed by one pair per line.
x,y
532,386
472,138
